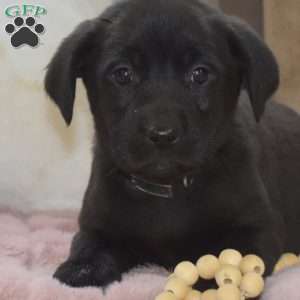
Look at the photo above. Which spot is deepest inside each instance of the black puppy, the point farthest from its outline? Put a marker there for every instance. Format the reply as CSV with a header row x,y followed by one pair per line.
x,y
184,164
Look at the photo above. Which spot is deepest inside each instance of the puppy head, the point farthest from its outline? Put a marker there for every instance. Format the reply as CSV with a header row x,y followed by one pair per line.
x,y
163,80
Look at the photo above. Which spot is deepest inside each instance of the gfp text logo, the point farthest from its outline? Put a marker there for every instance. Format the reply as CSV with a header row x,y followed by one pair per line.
x,y
24,30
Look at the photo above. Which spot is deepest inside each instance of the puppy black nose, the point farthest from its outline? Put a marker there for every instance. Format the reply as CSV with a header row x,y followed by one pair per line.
x,y
162,136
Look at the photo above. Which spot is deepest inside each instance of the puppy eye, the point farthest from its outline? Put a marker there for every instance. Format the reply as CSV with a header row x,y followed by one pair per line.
x,y
200,75
123,75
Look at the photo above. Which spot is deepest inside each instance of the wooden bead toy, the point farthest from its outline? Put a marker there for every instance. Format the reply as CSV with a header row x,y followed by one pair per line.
x,y
230,257
238,277
178,287
208,266
252,263
193,295
252,285
228,292
228,274
187,272
209,295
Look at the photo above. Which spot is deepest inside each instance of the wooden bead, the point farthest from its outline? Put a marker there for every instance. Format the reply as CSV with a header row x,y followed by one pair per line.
x,y
171,276
287,260
193,295
207,266
177,286
209,295
252,285
166,296
228,274
279,267
252,263
188,272
230,257
290,257
228,292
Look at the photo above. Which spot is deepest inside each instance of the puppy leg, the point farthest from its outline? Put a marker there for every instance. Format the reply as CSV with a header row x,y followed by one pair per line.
x,y
92,262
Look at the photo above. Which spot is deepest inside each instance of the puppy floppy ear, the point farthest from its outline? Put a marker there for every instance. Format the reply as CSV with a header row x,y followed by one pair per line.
x,y
258,64
64,68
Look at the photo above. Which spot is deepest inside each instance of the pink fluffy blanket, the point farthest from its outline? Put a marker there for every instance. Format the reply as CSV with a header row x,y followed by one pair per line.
x,y
31,247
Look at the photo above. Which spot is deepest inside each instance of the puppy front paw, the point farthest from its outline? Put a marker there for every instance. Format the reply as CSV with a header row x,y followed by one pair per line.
x,y
81,274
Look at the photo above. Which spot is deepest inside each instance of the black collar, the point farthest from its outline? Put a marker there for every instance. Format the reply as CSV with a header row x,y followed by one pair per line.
x,y
155,189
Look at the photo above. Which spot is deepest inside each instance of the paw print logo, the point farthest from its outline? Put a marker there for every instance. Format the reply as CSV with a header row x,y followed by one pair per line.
x,y
24,32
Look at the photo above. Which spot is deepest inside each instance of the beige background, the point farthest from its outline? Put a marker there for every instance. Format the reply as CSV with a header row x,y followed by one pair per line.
x,y
282,32
43,164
